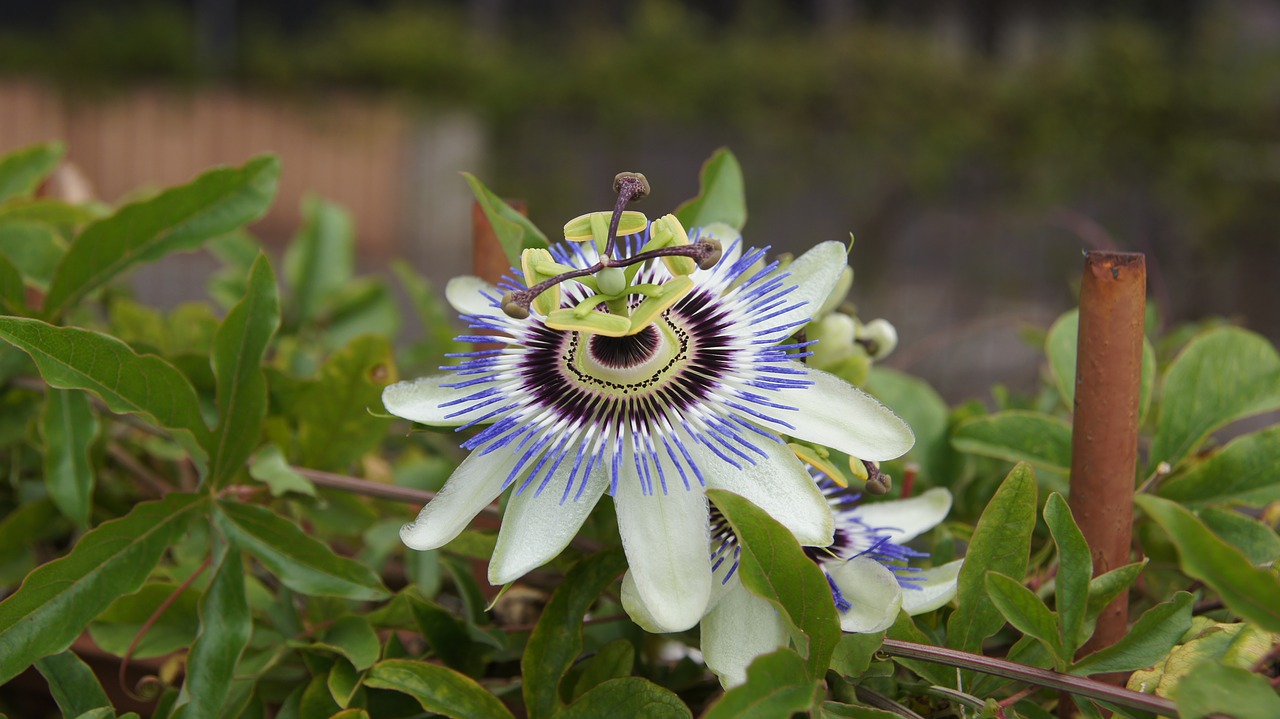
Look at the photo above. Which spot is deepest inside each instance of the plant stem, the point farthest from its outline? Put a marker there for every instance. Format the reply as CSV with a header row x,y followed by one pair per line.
x,y
1081,686
151,620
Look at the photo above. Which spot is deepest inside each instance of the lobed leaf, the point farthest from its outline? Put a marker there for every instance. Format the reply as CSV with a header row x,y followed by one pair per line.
x,y
58,599
556,641
721,194
514,231
1075,568
1219,377
1018,436
627,697
238,349
23,170
180,218
73,358
1247,590
72,684
1001,542
321,258
1026,613
335,426
1246,470
773,566
69,428
778,685
438,689
225,628
1155,633
303,564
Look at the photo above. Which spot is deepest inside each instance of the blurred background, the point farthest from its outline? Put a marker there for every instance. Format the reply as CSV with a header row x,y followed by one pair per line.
x,y
975,147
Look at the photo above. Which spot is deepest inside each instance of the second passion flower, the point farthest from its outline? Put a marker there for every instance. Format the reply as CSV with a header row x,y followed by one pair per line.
x,y
650,365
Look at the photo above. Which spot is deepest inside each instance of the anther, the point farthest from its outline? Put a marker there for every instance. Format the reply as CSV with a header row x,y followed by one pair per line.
x,y
711,252
877,482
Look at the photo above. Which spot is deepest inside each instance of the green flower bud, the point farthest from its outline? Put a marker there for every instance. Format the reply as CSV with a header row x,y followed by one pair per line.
x,y
879,337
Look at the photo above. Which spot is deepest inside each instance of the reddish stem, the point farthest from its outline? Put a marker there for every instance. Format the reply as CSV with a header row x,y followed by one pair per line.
x,y
151,620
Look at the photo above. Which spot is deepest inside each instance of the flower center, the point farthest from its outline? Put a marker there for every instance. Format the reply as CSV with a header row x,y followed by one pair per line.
x,y
627,351
631,361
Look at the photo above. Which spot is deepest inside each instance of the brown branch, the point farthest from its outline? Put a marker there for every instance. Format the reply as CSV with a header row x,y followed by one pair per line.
x,y
1080,686
151,620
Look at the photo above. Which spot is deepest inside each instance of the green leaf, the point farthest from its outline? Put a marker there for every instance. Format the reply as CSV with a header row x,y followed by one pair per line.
x,y
335,426
321,258
1026,613
721,194
1155,633
72,358
72,684
1216,690
514,231
58,599
13,294
1246,470
180,218
627,697
33,248
446,634
343,682
854,653
778,685
1075,568
1002,543
556,640
54,213
1018,436
438,689
225,628
22,171
1219,377
1256,540
1104,588
904,629
352,637
116,628
1060,346
69,427
302,563
773,566
1247,590
269,466
99,713
238,349
615,660
836,710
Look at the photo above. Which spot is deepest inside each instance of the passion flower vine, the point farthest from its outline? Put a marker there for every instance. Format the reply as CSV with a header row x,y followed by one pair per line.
x,y
867,565
652,364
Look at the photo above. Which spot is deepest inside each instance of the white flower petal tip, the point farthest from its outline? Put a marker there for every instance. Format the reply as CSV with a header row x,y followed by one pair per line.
x,y
422,400
905,519
666,540
812,275
936,587
537,526
469,295
740,628
836,414
472,486
871,591
781,486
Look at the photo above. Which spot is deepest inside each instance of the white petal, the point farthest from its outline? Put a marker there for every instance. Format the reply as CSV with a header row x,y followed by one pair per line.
x,y
740,628
666,538
779,485
472,486
938,588
814,274
905,519
537,527
872,591
464,293
423,399
836,414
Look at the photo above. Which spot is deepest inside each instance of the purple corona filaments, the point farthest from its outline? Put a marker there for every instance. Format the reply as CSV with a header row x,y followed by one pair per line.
x,y
650,364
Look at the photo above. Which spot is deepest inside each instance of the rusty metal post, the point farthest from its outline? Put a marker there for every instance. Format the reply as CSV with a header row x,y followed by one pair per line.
x,y
1104,439
488,261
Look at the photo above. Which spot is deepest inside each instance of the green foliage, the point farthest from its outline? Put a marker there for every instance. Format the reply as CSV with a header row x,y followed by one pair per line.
x,y
219,482
514,231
